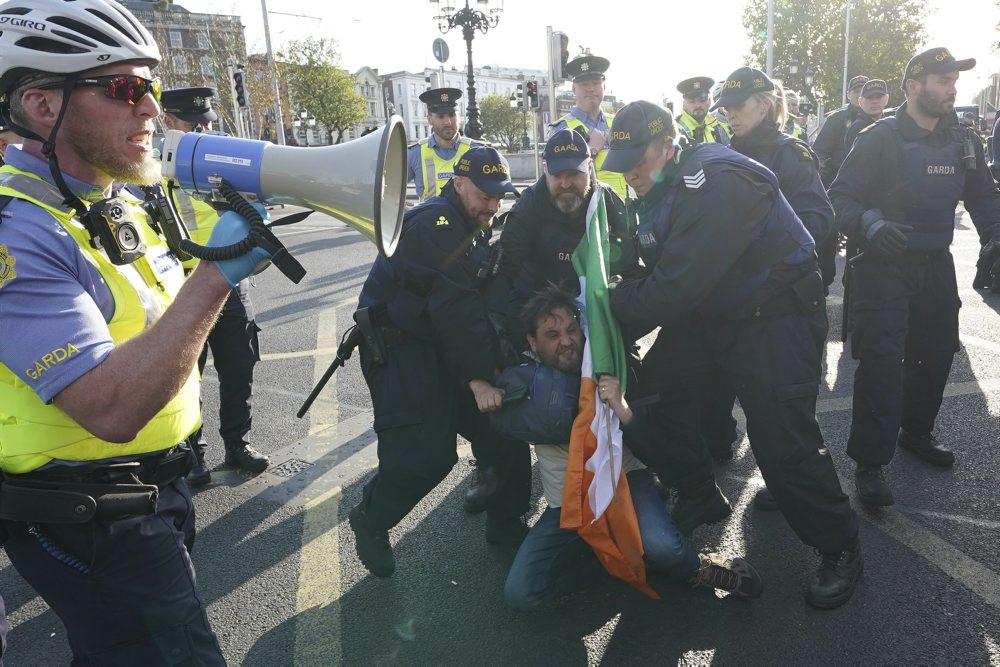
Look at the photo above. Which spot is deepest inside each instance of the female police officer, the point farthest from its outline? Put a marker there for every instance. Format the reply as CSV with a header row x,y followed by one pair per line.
x,y
756,112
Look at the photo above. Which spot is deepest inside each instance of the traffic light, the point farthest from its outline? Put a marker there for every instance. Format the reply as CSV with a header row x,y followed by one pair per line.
x,y
532,87
241,93
559,55
521,101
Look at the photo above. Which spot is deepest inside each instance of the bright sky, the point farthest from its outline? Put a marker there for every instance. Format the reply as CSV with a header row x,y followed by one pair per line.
x,y
393,35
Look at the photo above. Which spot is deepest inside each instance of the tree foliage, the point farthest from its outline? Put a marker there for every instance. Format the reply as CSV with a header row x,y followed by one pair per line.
x,y
317,85
501,123
885,34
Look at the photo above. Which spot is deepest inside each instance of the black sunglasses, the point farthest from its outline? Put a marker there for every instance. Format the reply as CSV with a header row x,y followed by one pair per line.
x,y
122,87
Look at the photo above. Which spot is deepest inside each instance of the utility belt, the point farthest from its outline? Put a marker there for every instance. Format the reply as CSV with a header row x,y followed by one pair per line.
x,y
77,494
908,256
378,334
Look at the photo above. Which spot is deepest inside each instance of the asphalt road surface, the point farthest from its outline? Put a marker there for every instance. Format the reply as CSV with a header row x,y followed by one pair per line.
x,y
277,570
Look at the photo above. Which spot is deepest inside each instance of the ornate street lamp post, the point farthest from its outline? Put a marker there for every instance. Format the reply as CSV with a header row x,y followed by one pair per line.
x,y
470,20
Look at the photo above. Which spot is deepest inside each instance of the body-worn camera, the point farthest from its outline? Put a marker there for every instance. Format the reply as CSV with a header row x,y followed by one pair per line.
x,y
113,227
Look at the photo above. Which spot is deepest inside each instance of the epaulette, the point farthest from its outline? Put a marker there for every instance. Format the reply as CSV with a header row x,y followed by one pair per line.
x,y
801,148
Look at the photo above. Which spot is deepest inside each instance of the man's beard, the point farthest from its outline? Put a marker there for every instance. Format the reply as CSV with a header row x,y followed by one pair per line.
x,y
933,108
570,202
699,114
143,172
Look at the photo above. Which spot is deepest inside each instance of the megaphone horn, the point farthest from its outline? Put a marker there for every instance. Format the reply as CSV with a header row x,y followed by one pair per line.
x,y
361,182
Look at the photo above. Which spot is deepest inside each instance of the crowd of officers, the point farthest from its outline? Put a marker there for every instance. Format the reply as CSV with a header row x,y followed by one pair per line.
x,y
724,225
715,227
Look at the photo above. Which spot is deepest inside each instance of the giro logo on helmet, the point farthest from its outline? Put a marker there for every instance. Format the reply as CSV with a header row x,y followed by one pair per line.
x,y
22,23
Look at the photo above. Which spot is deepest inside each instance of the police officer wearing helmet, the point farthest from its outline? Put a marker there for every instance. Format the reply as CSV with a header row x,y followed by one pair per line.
x,y
895,198
430,162
99,341
430,356
872,102
754,107
588,118
233,339
695,122
734,287
546,224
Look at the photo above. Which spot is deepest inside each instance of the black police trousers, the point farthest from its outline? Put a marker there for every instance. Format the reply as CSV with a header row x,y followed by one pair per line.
x,y
420,408
905,337
124,588
774,364
235,352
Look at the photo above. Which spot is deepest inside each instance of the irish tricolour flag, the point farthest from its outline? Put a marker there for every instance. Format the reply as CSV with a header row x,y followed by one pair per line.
x,y
596,500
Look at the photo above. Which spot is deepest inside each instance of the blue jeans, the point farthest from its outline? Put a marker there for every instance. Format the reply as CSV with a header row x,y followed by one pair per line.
x,y
552,562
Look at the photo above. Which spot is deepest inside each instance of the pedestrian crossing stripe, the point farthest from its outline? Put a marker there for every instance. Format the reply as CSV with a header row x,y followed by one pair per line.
x,y
696,181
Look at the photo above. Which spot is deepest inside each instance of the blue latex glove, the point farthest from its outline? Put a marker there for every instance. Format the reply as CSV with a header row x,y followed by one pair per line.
x,y
233,228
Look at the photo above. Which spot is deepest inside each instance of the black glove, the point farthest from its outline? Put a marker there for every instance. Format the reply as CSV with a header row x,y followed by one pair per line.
x,y
987,266
885,237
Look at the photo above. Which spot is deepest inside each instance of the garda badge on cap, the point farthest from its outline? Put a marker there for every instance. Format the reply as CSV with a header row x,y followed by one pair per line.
x,y
464,165
7,262
759,84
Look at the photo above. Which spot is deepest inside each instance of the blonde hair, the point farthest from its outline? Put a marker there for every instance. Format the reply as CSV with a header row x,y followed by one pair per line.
x,y
775,99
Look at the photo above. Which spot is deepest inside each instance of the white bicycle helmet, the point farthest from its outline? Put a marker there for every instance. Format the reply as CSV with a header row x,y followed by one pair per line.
x,y
69,36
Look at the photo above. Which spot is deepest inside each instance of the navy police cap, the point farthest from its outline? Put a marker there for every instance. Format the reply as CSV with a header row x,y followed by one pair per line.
x,y
695,86
587,68
487,169
441,100
740,85
192,105
634,127
566,150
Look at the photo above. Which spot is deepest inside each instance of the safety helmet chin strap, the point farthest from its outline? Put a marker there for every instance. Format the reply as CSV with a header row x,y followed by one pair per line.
x,y
49,146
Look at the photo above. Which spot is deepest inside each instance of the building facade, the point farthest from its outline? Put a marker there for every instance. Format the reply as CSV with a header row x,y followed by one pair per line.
x,y
197,49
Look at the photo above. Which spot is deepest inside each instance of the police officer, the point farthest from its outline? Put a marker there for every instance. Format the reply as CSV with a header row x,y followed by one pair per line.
x,y
872,102
829,147
98,342
431,161
233,339
588,118
695,122
430,357
829,144
895,198
753,106
794,125
545,226
734,287
7,137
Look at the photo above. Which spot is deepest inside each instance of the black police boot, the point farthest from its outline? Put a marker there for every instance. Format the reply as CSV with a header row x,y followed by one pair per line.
x,y
506,531
242,455
703,503
198,475
734,575
481,491
371,545
871,485
764,501
926,447
662,490
836,578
